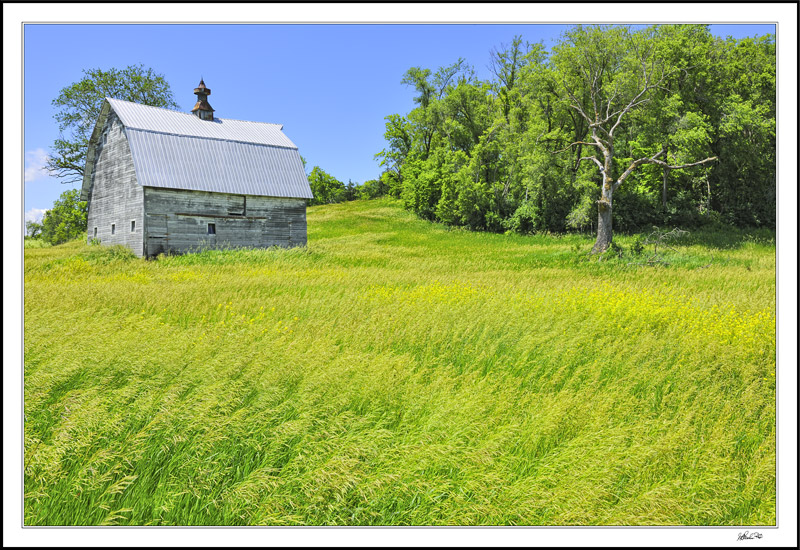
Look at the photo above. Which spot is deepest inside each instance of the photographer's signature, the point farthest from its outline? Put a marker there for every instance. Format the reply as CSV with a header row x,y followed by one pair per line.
x,y
747,535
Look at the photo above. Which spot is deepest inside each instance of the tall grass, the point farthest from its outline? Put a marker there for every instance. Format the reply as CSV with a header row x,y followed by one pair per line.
x,y
395,372
35,243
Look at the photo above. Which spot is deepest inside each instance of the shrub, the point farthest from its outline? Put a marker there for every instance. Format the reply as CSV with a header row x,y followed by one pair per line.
x,y
67,219
523,220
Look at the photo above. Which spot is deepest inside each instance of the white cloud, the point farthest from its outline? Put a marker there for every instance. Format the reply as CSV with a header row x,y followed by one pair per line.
x,y
34,164
35,215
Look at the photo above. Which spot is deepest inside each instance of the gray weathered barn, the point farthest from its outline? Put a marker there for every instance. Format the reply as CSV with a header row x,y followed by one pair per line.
x,y
158,180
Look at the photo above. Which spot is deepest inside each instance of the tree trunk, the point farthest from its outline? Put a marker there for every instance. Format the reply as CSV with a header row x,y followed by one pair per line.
x,y
604,231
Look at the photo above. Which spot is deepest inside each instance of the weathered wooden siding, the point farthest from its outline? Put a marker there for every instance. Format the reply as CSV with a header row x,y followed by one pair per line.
x,y
115,197
177,221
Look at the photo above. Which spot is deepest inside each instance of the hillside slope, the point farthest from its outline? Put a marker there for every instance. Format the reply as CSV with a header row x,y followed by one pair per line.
x,y
396,373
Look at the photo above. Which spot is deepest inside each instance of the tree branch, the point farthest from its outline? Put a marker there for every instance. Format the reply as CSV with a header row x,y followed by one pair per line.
x,y
575,104
681,166
636,101
654,160
602,144
573,144
596,161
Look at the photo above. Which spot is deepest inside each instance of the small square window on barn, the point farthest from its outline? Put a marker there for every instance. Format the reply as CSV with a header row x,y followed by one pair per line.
x,y
113,228
133,226
212,229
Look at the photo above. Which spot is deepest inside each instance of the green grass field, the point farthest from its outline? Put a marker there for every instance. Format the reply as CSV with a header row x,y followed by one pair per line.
x,y
396,372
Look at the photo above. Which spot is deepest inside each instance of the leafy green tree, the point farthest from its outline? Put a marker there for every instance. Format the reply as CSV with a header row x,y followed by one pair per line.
x,y
79,107
607,75
33,229
350,191
326,188
390,181
372,189
680,120
747,130
399,137
743,187
511,66
67,219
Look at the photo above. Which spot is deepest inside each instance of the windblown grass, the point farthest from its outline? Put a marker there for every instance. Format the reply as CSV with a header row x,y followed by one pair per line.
x,y
398,373
35,243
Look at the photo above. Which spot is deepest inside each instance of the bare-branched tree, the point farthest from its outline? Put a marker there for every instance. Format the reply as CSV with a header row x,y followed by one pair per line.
x,y
606,74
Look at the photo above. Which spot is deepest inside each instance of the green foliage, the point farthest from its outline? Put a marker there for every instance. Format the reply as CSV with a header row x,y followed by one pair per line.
x,y
393,184
398,136
582,214
747,137
79,107
33,229
373,189
637,248
397,372
326,188
66,220
524,219
421,189
636,209
351,191
523,153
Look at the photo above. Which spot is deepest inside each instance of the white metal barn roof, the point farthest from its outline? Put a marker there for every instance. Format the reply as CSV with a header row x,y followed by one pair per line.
x,y
165,121
180,151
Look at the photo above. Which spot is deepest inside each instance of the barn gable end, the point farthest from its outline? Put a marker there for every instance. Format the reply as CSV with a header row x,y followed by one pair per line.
x,y
115,200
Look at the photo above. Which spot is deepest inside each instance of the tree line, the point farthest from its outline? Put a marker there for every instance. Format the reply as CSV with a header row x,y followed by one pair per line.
x,y
327,189
636,127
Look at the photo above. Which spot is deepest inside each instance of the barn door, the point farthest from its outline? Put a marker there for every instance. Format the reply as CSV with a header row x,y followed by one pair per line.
x,y
157,236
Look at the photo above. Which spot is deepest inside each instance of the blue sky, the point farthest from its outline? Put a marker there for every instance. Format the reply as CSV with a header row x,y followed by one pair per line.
x,y
329,85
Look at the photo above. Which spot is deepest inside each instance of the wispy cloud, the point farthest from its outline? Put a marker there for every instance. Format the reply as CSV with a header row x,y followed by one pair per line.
x,y
34,164
35,215
32,215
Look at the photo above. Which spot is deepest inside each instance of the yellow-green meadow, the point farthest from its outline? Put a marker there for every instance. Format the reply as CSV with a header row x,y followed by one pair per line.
x,y
396,372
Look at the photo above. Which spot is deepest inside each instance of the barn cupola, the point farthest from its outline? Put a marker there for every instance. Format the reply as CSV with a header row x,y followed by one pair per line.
x,y
202,108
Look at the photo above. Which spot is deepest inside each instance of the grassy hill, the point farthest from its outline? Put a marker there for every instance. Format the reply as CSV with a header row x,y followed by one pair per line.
x,y
396,372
